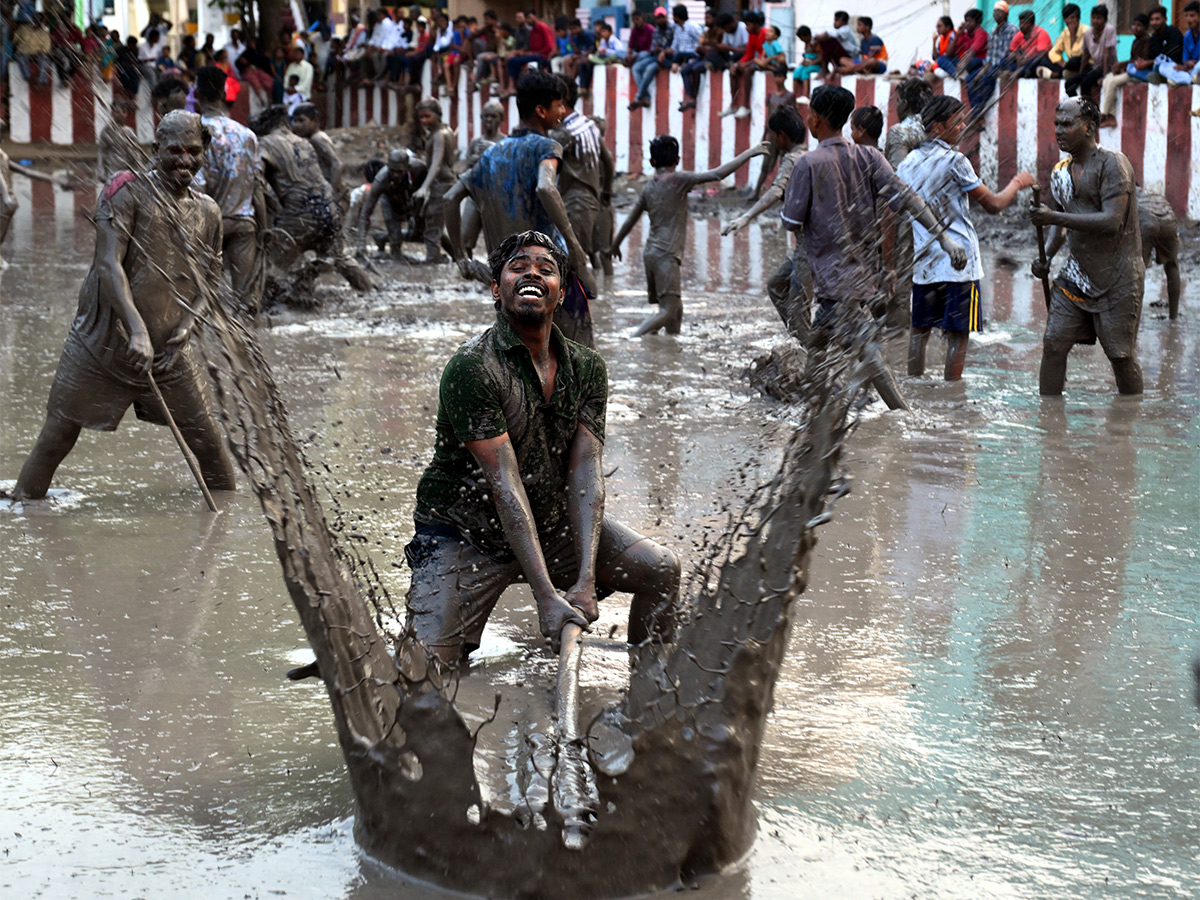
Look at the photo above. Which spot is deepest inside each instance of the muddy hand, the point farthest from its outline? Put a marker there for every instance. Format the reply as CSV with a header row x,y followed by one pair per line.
x,y
171,351
141,351
733,225
1040,268
1041,215
583,598
552,618
958,256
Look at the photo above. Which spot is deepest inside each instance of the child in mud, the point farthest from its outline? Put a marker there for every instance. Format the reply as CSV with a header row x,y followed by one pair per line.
x,y
942,296
664,200
1160,239
158,247
439,143
832,194
306,123
1097,294
515,490
491,118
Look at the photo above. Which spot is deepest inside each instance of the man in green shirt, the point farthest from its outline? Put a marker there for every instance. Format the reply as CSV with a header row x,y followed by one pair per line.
x,y
515,491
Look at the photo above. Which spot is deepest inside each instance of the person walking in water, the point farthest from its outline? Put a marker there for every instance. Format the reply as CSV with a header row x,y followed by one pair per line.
x,y
832,194
158,253
1097,294
515,490
664,200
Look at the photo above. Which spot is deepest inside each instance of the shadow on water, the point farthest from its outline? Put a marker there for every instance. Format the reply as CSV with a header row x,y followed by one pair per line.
x,y
984,691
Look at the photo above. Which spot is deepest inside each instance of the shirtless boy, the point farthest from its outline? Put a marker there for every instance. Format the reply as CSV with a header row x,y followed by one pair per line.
x,y
156,237
1097,294
664,200
306,123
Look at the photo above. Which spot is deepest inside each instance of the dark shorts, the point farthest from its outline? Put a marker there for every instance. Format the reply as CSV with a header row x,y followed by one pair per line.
x,y
455,587
86,393
948,305
663,279
1068,324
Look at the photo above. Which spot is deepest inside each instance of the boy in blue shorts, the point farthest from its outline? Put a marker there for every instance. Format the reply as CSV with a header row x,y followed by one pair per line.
x,y
944,297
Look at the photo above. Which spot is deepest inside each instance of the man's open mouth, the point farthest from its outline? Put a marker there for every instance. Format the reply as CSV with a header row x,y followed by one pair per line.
x,y
531,290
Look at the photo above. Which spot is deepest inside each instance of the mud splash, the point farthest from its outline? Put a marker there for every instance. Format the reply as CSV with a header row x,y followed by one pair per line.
x,y
692,719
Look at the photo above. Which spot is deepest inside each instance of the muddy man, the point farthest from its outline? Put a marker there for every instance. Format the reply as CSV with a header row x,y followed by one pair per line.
x,y
491,117
1097,294
158,247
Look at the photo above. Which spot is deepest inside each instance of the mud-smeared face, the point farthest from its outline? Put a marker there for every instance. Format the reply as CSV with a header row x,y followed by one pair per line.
x,y
428,119
1070,128
491,120
179,153
303,126
530,286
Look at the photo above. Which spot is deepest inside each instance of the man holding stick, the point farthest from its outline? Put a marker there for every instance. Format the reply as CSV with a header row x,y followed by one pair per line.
x,y
1097,294
158,247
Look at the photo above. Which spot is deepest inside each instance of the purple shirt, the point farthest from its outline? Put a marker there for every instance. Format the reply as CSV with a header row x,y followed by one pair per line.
x,y
832,194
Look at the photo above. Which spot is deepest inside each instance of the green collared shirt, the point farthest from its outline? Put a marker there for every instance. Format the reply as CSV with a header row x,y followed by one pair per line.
x,y
488,388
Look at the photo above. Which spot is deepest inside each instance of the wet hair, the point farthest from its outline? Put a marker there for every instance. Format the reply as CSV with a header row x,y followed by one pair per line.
x,y
269,119
974,15
493,105
786,120
512,245
183,120
804,33
372,167
1102,10
867,20
1072,9
168,86
1142,19
869,119
833,104
915,93
430,105
1089,113
679,11
307,111
664,151
940,110
1161,10
210,84
537,87
570,91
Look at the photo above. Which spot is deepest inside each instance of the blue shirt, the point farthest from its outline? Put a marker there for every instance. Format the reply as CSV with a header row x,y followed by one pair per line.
x,y
504,184
687,38
1191,46
998,43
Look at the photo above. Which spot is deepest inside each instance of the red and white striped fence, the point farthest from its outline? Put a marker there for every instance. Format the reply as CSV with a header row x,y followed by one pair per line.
x,y
1155,128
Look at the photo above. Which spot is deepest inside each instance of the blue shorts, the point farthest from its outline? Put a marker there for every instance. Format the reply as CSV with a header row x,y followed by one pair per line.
x,y
948,305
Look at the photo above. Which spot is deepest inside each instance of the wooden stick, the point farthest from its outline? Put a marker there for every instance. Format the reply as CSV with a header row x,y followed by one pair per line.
x,y
192,462
570,790
1041,235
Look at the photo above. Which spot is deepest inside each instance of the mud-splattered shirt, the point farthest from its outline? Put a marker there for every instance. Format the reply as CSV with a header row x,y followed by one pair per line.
x,y
504,184
490,388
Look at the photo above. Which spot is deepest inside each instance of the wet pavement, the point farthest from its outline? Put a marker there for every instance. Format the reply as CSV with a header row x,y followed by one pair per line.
x,y
986,691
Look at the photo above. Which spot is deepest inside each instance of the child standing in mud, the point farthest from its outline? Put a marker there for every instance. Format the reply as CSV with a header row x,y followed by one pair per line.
x,y
664,200
157,238
942,296
439,175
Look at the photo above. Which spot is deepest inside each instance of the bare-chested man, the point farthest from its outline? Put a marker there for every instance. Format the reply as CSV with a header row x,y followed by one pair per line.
x,y
1097,294
439,175
158,248
491,117
232,175
392,191
306,123
664,200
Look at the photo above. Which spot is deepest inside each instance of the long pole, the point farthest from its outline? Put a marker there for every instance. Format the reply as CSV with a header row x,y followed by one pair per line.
x,y
1041,235
192,462
570,789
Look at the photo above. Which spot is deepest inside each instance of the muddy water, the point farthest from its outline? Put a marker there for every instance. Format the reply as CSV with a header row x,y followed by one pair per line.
x,y
985,690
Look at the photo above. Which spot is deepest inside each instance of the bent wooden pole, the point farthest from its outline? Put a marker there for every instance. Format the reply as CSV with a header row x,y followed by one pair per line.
x,y
571,795
1041,234
192,462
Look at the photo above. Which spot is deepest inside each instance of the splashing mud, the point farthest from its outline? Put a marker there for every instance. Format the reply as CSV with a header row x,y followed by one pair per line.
x,y
693,716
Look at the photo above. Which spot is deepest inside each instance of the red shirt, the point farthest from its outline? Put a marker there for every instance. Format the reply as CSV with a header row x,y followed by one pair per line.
x,y
1035,45
754,45
973,44
541,39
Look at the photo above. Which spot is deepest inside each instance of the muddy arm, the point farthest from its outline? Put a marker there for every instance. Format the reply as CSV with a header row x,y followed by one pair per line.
x,y
547,191
728,168
435,165
585,509
770,197
1107,221
368,208
498,460
111,245
627,226
608,171
452,215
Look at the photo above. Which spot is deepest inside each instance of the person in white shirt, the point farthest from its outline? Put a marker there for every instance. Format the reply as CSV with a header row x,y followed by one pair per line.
x,y
302,69
235,47
943,296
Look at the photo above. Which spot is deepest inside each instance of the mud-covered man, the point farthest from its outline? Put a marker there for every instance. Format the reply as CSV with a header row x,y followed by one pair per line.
x,y
158,249
1097,294
515,491
439,140
392,191
306,123
491,119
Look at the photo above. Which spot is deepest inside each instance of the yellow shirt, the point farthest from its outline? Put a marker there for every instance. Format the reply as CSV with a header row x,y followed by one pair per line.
x,y
1064,48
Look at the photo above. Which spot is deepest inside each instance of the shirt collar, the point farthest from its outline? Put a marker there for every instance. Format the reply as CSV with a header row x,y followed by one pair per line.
x,y
830,141
505,339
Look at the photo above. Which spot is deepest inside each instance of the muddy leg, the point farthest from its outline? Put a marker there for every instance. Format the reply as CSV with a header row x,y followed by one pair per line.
x,y
240,249
1170,270
1053,373
651,573
917,341
956,354
669,316
881,376
53,444
1128,374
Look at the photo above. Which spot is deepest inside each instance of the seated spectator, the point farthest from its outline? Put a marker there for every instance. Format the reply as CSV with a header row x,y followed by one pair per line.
x,y
724,42
1139,60
129,70
1067,53
446,52
1191,40
841,44
582,44
983,83
1099,54
944,37
753,60
872,54
31,45
147,54
262,85
1167,47
609,49
301,68
810,60
541,48
866,125
485,43
412,59
969,48
562,44
685,45
66,41
641,36
1030,47
646,65
292,96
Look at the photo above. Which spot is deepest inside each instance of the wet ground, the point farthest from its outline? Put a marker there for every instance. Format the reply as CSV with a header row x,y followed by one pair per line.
x,y
986,693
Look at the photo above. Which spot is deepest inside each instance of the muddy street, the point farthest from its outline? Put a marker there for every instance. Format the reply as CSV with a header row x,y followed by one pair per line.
x,y
985,691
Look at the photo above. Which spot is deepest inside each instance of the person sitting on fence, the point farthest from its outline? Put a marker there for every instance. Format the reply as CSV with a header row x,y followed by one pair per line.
x,y
1167,45
872,56
1099,54
969,48
485,44
1139,61
1030,47
609,49
541,48
724,41
412,60
1067,53
31,44
839,45
983,83
446,52
66,45
753,59
582,44
810,61
1191,40
944,37
645,65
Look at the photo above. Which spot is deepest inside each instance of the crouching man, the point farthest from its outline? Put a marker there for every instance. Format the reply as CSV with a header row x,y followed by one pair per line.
x,y
515,491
